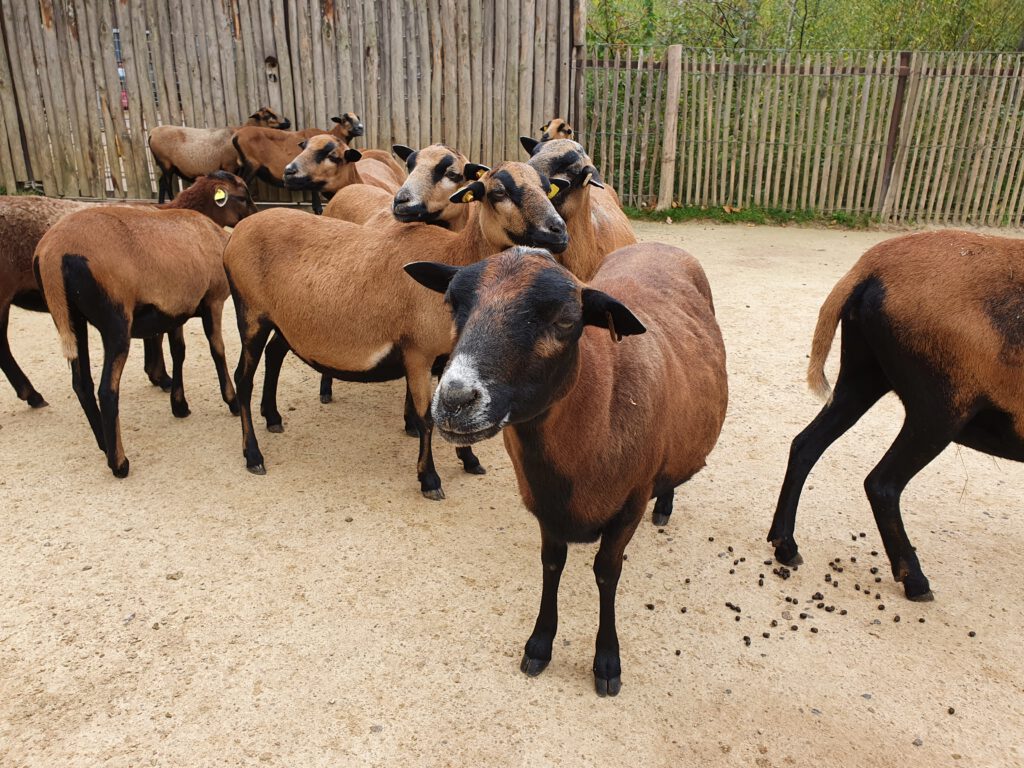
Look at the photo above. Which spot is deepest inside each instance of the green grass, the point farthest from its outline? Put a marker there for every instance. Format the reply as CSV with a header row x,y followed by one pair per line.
x,y
752,215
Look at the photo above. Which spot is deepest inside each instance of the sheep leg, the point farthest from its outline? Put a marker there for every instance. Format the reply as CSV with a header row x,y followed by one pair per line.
x,y
275,354
922,438
10,368
115,352
537,654
166,184
176,339
417,377
211,314
318,206
663,508
859,386
327,388
607,568
410,414
254,339
81,380
154,362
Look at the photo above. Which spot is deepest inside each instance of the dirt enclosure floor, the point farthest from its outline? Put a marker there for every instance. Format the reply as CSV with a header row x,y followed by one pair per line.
x,y
327,615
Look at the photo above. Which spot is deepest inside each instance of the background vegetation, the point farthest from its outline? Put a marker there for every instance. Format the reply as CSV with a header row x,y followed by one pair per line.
x,y
798,25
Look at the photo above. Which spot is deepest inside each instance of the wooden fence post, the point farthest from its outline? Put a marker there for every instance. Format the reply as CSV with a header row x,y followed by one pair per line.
x,y
673,61
894,128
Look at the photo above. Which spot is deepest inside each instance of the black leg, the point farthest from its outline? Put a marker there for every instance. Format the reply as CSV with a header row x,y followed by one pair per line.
x,y
318,206
470,463
211,312
327,388
81,380
275,354
922,438
164,185
254,339
154,365
176,339
537,654
858,387
607,569
663,508
417,376
115,352
10,368
410,414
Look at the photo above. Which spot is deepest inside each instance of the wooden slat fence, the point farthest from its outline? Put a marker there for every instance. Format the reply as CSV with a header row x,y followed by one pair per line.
x,y
475,74
899,136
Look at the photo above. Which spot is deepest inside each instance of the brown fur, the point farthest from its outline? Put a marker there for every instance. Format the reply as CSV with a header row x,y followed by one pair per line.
x,y
556,128
322,166
336,290
597,225
193,152
360,203
942,294
168,258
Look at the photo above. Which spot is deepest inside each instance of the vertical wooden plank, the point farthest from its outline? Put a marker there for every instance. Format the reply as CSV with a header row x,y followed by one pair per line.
x,y
796,110
139,84
1012,210
601,126
996,190
634,135
49,70
624,134
8,181
835,85
746,127
221,35
784,157
844,80
346,90
645,131
757,188
479,92
671,126
982,158
930,136
966,129
537,107
525,44
771,180
375,104
551,65
511,142
94,53
464,53
437,72
8,108
658,115
613,119
905,131
686,175
87,181
486,149
564,56
951,121
399,96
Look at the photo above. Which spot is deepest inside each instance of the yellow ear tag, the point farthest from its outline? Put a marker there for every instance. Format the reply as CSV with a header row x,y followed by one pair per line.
x,y
587,180
480,173
468,197
220,197
552,192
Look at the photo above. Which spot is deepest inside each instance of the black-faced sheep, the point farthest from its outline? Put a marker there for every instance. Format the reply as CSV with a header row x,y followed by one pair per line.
x,y
595,429
937,318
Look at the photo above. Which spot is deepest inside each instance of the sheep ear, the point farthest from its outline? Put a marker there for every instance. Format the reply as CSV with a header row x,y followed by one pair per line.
x,y
431,274
220,197
302,145
254,116
591,177
474,171
402,151
337,120
529,144
602,310
557,185
468,193
353,155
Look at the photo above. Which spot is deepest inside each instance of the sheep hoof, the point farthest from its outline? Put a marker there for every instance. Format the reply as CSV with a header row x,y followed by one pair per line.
x,y
476,469
926,597
532,667
786,552
660,519
325,399
411,431
233,407
35,400
434,495
257,469
609,687
121,471
918,589
163,382
275,428
180,411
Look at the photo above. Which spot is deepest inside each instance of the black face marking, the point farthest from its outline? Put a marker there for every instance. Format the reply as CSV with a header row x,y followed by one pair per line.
x,y
411,162
441,168
512,190
324,152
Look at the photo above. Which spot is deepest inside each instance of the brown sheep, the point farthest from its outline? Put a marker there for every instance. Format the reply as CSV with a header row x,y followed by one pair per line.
x,y
193,152
327,165
335,294
937,318
597,225
435,173
135,273
555,128
594,429
23,221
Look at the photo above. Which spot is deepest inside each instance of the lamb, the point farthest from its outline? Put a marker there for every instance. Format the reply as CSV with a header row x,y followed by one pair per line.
x,y
135,273
23,221
335,294
937,318
435,173
194,152
594,429
555,128
597,225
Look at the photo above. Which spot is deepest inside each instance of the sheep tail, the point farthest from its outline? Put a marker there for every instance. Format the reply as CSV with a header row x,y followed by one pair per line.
x,y
50,278
825,331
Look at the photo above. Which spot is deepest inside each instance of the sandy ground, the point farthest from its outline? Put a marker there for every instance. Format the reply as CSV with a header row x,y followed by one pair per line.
x,y
327,615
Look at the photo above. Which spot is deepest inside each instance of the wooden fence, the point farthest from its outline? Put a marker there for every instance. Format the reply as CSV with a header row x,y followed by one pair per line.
x,y
899,136
81,81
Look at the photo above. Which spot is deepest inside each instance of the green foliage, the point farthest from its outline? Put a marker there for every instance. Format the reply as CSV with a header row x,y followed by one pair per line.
x,y
751,215
800,25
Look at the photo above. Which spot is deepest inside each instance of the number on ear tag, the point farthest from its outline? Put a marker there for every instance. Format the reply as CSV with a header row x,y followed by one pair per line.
x,y
220,197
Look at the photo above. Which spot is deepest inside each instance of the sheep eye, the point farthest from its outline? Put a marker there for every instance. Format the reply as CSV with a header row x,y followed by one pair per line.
x,y
498,193
453,176
565,324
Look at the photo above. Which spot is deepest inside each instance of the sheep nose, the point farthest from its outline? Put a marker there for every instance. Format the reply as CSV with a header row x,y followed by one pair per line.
x,y
403,196
290,169
556,226
457,394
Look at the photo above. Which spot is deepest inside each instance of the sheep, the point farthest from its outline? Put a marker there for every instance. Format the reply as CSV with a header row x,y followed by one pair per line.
x,y
594,429
264,154
555,128
193,152
134,273
435,173
937,318
326,165
23,221
333,291
597,225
